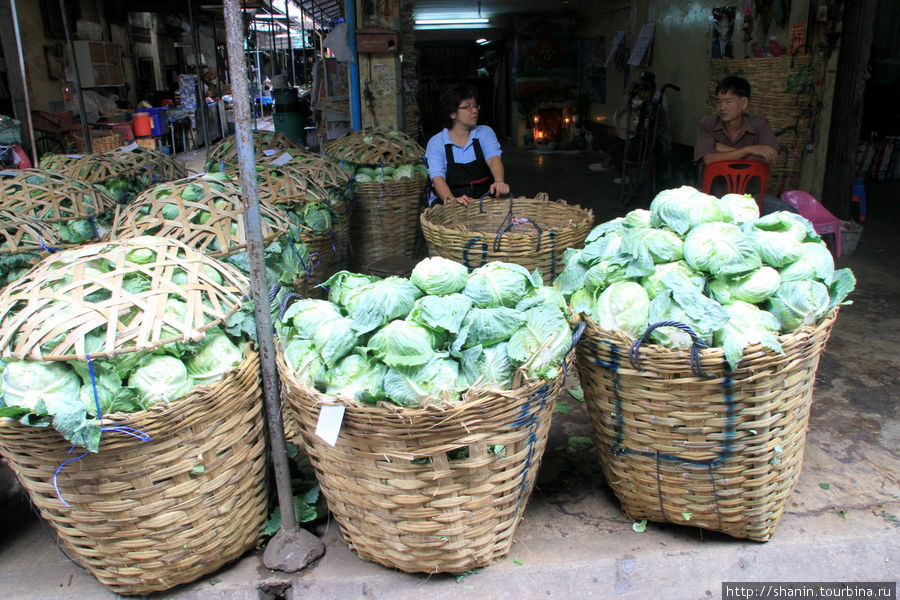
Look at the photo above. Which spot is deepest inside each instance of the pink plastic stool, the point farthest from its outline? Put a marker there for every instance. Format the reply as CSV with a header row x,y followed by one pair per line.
x,y
822,220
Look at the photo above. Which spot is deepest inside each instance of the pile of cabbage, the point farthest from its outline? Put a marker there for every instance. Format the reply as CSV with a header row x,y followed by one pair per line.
x,y
432,336
381,174
733,277
66,394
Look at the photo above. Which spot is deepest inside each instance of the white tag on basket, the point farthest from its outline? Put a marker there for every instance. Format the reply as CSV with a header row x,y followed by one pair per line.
x,y
282,160
270,151
130,147
329,424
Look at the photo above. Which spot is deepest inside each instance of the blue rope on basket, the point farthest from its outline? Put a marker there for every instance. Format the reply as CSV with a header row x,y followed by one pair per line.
x,y
634,351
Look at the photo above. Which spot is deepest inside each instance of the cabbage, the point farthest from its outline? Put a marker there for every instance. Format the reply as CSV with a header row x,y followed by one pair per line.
x,y
639,217
747,324
160,378
403,172
739,207
543,295
606,247
375,304
403,344
497,284
684,208
217,355
487,326
778,245
815,262
357,376
574,269
798,303
335,339
688,310
439,378
443,313
544,339
307,315
623,306
663,245
47,389
605,273
720,249
439,276
487,367
341,285
678,272
753,287
613,225
302,357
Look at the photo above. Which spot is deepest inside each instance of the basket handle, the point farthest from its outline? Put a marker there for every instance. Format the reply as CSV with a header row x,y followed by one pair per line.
x,y
634,351
509,221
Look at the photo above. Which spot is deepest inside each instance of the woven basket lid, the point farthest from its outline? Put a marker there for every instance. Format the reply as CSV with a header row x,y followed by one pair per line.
x,y
321,169
282,183
140,160
19,234
89,168
204,212
374,146
266,143
138,294
52,197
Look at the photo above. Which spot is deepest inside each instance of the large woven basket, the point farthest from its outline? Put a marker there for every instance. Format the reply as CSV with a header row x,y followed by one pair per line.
x,y
266,144
785,93
149,515
187,493
400,492
532,232
97,168
722,451
101,141
52,197
384,220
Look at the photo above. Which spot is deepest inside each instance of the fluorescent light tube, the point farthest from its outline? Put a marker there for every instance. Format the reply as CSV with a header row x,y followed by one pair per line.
x,y
472,21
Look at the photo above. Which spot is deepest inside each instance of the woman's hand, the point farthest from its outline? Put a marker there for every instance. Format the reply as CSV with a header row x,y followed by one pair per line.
x,y
464,200
499,188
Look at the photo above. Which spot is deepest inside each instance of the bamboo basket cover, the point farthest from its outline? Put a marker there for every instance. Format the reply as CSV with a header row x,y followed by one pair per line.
x,y
52,197
323,170
89,168
224,232
722,452
47,314
399,496
20,234
282,184
224,152
148,161
141,517
374,146
532,232
784,92
384,219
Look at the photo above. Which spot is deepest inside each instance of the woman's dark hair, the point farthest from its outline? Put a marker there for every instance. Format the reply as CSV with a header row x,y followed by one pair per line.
x,y
738,86
451,96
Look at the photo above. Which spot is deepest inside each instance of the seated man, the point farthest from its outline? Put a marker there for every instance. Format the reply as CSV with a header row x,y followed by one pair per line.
x,y
734,134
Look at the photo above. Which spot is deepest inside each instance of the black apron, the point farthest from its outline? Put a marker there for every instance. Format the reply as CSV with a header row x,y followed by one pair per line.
x,y
473,179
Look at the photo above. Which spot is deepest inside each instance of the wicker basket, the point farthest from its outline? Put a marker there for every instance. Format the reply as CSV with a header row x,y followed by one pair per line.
x,y
375,146
785,93
190,494
141,517
532,232
266,143
398,493
101,141
52,197
97,168
384,220
721,451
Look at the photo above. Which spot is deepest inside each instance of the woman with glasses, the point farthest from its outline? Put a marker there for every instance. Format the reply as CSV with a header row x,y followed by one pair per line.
x,y
464,158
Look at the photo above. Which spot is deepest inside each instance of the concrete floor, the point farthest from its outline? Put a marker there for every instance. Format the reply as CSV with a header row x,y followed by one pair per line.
x,y
574,541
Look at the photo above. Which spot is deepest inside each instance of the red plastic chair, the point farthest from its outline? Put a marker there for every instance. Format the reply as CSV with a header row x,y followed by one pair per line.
x,y
823,221
737,174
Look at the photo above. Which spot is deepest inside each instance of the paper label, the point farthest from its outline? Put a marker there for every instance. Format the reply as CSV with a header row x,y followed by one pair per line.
x,y
130,147
282,160
331,416
270,151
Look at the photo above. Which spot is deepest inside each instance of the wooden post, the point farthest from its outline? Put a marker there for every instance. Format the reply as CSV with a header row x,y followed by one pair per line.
x,y
846,115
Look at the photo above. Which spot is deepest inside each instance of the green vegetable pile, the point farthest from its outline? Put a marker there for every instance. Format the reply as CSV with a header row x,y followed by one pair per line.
x,y
66,394
732,276
378,155
432,336
383,174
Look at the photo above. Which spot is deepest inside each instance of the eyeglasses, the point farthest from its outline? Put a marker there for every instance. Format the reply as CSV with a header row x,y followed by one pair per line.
x,y
469,107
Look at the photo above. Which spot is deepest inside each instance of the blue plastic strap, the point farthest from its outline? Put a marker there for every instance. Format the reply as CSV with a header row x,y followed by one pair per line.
x,y
697,343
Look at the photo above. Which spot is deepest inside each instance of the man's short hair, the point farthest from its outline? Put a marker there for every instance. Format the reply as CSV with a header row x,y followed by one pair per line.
x,y
738,86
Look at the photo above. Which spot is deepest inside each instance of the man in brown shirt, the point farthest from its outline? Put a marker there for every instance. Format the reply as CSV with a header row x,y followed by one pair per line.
x,y
731,133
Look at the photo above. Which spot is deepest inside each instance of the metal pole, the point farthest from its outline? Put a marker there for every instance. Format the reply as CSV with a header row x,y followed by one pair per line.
x,y
264,331
88,147
355,104
287,13
29,123
204,117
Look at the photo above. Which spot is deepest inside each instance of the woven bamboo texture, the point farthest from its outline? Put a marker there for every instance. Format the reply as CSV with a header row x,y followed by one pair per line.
x,y
532,232
397,489
52,197
373,146
384,220
784,92
212,224
96,168
324,171
722,452
329,252
224,152
48,314
101,141
282,184
143,516
148,161
20,234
